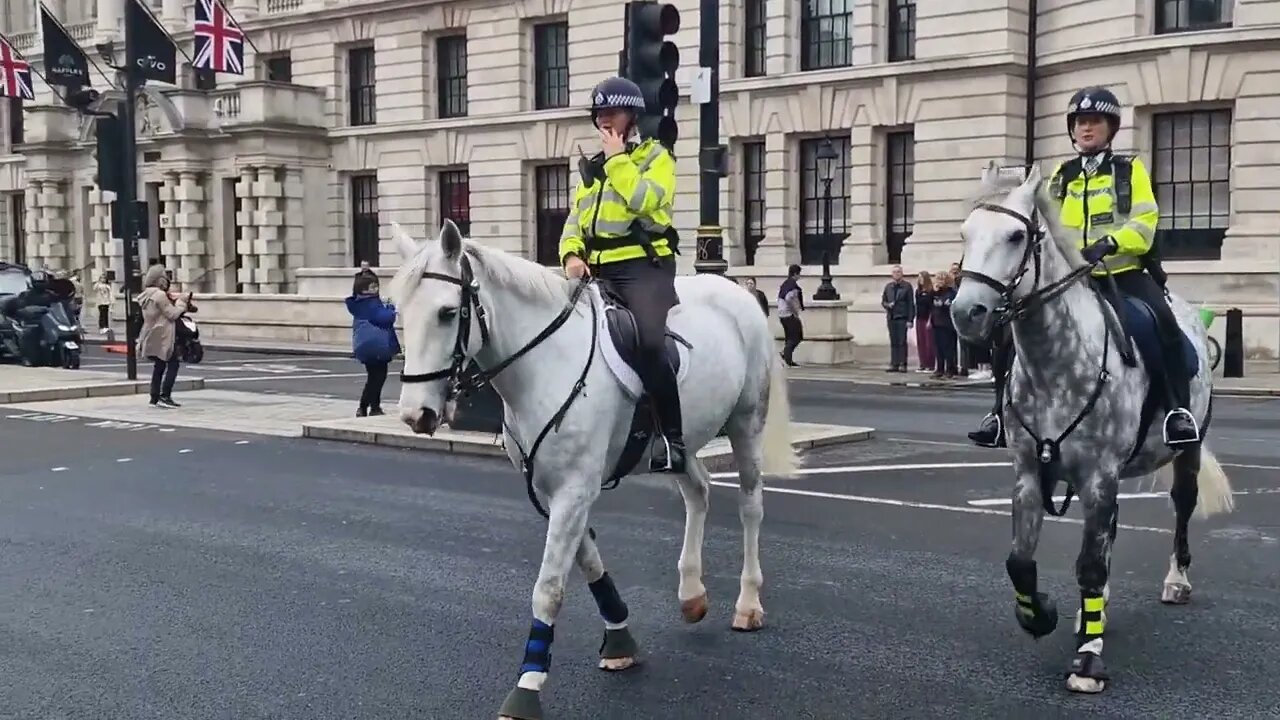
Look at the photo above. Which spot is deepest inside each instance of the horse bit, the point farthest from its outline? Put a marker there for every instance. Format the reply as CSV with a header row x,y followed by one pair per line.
x,y
1048,451
464,380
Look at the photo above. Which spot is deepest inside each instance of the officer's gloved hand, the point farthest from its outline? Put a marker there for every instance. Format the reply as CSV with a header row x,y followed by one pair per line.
x,y
1096,251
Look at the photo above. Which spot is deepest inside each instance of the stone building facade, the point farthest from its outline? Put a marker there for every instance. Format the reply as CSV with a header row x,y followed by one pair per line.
x,y
360,113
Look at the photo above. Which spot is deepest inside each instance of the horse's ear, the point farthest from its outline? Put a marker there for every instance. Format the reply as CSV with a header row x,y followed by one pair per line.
x,y
451,240
406,245
1033,176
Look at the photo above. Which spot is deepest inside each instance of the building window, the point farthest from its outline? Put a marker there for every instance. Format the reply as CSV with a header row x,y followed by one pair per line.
x,y
451,63
902,30
360,78
899,162
1191,176
753,172
18,222
813,237
1188,15
551,190
755,38
280,68
455,199
205,80
17,129
364,219
826,34
551,65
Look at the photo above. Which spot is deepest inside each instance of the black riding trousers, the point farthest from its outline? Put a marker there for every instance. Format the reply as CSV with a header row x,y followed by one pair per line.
x,y
648,289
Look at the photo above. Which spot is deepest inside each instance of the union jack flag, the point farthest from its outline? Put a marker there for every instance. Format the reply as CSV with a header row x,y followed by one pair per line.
x,y
15,74
219,40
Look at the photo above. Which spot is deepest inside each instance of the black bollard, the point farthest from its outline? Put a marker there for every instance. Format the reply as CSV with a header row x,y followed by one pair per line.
x,y
1233,349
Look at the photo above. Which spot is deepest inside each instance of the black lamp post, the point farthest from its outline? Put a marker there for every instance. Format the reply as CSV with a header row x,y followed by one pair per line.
x,y
826,161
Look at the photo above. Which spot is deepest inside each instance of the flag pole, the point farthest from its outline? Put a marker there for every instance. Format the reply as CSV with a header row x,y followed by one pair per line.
x,y
65,31
5,39
236,20
160,25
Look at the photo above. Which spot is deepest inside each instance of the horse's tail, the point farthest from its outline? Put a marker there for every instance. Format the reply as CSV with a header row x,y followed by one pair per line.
x,y
779,456
1215,496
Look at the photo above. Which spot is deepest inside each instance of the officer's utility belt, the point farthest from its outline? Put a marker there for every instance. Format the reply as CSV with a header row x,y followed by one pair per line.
x,y
637,237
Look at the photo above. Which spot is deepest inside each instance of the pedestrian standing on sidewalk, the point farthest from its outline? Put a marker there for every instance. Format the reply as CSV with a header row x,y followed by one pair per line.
x,y
944,332
750,285
898,301
373,339
102,296
790,305
924,326
157,338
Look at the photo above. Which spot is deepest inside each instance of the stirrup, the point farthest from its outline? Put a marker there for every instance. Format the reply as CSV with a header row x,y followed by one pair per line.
x,y
1195,427
998,440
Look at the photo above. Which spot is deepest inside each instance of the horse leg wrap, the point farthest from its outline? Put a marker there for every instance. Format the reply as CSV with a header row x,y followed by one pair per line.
x,y
618,644
521,704
537,649
1035,611
612,609
1092,619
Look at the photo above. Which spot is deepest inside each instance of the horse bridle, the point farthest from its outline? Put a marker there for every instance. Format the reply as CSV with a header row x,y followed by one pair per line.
x,y
461,379
1012,308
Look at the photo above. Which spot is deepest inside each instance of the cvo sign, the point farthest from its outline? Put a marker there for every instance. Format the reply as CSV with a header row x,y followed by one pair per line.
x,y
151,63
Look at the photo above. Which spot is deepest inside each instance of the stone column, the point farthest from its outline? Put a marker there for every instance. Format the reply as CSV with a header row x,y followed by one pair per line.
x,y
247,276
242,9
109,17
107,251
188,232
781,244
47,210
294,226
173,14
268,219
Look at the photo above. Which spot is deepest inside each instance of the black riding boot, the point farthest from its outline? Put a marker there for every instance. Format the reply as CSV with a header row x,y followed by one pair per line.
x,y
669,453
990,432
1180,426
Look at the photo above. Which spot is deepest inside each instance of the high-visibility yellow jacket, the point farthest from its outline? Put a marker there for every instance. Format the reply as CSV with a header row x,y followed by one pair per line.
x,y
1090,206
637,190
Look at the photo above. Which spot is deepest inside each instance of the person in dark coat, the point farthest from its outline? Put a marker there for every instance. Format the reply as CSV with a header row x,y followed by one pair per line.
x,y
750,285
899,303
373,339
944,331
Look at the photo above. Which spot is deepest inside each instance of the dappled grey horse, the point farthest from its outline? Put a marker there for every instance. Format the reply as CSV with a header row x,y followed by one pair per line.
x,y
558,353
1082,395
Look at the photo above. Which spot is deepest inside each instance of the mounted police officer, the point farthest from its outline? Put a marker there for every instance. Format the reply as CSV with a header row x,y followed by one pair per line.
x,y
619,230
1108,199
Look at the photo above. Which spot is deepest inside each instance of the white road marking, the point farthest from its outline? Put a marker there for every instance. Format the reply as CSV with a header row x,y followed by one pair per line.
x,y
988,502
184,451
879,468
58,469
326,376
912,505
970,446
124,460
242,442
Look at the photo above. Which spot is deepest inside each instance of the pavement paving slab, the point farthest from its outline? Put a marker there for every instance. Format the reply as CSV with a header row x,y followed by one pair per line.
x,y
388,431
28,384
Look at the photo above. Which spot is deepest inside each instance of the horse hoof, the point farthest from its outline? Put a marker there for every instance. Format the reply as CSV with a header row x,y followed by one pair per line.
x,y
1043,618
521,704
617,664
748,621
694,609
1088,685
1175,594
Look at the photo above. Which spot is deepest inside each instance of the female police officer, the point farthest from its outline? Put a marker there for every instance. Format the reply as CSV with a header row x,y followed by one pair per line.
x,y
619,230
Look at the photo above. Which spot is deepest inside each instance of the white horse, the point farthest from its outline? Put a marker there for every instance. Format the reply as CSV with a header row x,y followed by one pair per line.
x,y
570,416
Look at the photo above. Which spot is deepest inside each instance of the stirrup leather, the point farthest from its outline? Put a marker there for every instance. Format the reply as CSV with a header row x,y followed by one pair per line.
x,y
1180,412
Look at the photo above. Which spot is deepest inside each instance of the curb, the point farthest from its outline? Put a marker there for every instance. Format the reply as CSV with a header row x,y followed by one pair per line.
x,y
251,349
116,389
717,459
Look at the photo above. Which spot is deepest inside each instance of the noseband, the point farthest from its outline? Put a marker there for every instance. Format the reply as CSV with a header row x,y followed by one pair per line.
x,y
1012,308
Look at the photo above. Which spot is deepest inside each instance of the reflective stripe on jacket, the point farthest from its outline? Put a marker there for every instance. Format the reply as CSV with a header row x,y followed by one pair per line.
x,y
638,188
1134,233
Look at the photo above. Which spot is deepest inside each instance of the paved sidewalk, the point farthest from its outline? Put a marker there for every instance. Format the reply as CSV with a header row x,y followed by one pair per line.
x,y
23,384
390,432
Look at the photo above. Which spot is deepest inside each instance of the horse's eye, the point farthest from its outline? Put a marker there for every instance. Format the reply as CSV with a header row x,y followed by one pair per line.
x,y
448,313
1018,237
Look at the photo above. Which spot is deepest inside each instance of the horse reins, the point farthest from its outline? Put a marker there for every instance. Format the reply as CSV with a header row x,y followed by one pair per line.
x,y
463,380
1048,452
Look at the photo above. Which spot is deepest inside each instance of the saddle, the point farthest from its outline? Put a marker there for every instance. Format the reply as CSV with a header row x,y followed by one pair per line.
x,y
621,353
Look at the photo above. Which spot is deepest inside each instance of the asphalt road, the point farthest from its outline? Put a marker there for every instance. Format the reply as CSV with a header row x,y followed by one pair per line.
x,y
185,574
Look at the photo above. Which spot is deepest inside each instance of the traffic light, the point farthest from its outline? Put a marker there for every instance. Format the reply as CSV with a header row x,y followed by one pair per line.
x,y
109,133
652,61
81,98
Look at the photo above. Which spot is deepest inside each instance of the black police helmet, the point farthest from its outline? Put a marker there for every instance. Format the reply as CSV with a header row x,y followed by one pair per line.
x,y
1094,100
616,93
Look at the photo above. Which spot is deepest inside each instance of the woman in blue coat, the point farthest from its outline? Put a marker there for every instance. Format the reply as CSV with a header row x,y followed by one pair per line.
x,y
373,339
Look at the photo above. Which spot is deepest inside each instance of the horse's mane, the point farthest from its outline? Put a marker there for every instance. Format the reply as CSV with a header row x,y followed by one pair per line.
x,y
529,280
996,188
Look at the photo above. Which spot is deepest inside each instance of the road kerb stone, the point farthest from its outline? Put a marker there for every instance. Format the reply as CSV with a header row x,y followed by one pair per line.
x,y
79,392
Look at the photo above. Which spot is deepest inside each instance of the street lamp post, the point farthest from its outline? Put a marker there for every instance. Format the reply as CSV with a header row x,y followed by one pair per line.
x,y
826,159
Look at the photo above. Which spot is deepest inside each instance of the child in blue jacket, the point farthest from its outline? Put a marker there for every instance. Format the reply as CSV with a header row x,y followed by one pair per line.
x,y
373,339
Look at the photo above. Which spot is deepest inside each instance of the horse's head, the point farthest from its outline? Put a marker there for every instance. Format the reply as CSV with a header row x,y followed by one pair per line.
x,y
1003,243
436,294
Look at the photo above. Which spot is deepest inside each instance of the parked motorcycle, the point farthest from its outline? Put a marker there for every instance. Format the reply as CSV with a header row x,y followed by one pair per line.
x,y
187,337
44,331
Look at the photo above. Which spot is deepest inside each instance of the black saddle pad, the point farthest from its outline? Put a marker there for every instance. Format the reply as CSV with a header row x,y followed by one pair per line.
x,y
626,338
